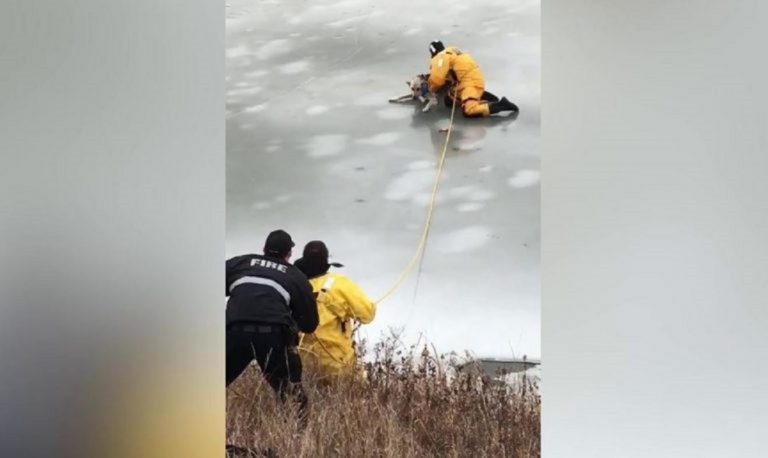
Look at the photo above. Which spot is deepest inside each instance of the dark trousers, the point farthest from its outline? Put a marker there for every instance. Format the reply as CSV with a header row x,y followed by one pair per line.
x,y
274,349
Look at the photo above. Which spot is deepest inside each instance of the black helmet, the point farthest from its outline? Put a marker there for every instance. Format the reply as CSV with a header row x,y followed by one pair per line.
x,y
435,47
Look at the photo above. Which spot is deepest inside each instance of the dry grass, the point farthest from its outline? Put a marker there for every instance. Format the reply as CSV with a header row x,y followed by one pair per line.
x,y
413,404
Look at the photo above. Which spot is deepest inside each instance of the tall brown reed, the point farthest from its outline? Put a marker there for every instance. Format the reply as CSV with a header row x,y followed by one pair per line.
x,y
412,403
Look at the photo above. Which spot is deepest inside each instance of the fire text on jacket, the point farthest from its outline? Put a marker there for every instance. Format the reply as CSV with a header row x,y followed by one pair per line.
x,y
270,264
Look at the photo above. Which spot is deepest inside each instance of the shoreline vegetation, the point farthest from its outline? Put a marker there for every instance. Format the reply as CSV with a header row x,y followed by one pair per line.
x,y
412,402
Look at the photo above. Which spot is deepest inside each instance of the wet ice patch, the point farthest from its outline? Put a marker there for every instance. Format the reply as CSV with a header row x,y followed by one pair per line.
x,y
274,48
485,168
244,91
326,145
468,145
408,184
315,110
390,50
256,74
412,31
272,148
470,207
420,165
441,125
237,51
293,68
470,138
382,139
393,113
462,240
524,178
255,108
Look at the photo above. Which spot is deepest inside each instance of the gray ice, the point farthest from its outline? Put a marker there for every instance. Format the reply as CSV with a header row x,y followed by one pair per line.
x,y
318,151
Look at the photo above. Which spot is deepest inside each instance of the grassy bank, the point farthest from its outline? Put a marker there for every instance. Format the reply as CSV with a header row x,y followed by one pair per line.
x,y
411,404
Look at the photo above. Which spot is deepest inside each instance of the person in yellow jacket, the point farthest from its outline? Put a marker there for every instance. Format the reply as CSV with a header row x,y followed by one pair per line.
x,y
340,304
458,69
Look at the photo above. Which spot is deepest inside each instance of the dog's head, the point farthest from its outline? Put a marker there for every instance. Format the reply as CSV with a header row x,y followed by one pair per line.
x,y
415,85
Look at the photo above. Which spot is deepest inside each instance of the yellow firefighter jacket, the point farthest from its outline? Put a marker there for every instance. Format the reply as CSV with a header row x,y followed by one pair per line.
x,y
340,302
454,66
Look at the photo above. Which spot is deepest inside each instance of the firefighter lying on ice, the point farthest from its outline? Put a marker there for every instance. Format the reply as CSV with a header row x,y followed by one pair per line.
x,y
458,69
340,303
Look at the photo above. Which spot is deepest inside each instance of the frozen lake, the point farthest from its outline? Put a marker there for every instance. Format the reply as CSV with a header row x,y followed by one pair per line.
x,y
313,147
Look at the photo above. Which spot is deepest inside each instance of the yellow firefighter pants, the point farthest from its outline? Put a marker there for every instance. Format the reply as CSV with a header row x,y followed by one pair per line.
x,y
472,103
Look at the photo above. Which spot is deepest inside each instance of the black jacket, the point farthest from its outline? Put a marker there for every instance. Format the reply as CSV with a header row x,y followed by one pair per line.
x,y
265,289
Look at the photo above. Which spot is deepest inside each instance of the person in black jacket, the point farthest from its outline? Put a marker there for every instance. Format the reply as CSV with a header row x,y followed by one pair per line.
x,y
270,300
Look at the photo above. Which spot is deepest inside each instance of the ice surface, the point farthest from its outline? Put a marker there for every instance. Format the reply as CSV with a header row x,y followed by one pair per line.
x,y
274,48
326,145
244,91
256,74
237,51
293,68
470,207
409,183
382,139
255,108
315,148
376,99
524,178
463,240
392,113
315,110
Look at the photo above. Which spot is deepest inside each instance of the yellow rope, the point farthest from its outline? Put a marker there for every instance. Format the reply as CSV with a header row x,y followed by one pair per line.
x,y
424,234
430,209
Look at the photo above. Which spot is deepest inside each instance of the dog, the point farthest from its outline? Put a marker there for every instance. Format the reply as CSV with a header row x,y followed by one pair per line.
x,y
429,100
